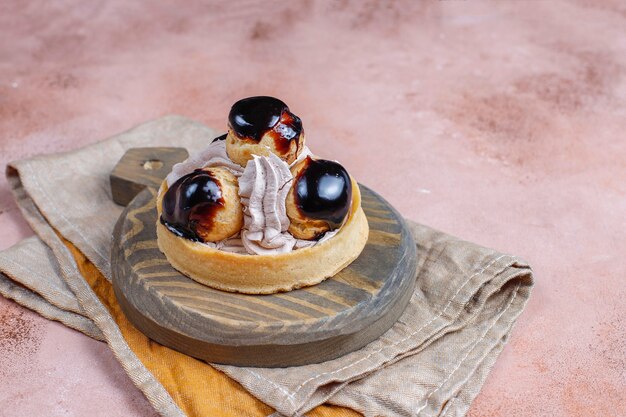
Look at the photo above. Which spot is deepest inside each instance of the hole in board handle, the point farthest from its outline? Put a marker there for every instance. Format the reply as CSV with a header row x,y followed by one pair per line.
x,y
152,164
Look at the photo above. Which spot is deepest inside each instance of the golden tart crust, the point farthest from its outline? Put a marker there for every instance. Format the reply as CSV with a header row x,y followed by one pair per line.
x,y
266,274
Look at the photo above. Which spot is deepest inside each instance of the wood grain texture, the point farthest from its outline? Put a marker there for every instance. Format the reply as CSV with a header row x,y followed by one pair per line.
x,y
140,168
308,325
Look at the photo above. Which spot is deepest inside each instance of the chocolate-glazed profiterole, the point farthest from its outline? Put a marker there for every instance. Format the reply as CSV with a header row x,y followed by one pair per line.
x,y
319,198
203,205
261,125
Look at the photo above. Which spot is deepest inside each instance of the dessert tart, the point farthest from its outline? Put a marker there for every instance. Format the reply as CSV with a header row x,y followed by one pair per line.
x,y
255,211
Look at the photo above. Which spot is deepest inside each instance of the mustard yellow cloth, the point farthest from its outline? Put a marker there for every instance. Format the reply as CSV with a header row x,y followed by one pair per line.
x,y
196,387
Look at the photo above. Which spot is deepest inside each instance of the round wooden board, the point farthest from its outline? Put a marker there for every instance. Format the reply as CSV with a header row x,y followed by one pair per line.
x,y
308,325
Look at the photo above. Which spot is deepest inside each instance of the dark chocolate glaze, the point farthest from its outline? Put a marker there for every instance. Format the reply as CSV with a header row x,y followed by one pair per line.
x,y
323,191
190,204
223,137
253,117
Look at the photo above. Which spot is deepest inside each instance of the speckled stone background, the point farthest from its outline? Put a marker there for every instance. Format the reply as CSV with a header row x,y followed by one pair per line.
x,y
502,122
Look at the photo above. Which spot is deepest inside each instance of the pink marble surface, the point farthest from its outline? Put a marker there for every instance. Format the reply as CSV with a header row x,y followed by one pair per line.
x,y
501,122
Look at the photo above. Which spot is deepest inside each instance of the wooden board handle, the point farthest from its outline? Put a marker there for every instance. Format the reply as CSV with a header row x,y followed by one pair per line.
x,y
140,168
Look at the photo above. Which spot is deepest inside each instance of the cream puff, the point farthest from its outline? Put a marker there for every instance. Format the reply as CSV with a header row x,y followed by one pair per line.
x,y
319,199
203,205
262,125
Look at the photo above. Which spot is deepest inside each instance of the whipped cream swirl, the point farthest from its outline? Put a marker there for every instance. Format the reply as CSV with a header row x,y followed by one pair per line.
x,y
213,155
263,189
232,244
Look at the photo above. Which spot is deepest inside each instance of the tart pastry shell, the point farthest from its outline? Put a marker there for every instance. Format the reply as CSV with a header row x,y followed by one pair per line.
x,y
266,274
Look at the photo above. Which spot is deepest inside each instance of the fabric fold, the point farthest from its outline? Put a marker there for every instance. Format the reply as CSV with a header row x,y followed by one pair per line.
x,y
433,361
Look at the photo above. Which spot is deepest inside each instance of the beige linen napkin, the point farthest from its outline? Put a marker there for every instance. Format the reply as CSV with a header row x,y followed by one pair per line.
x,y
433,361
